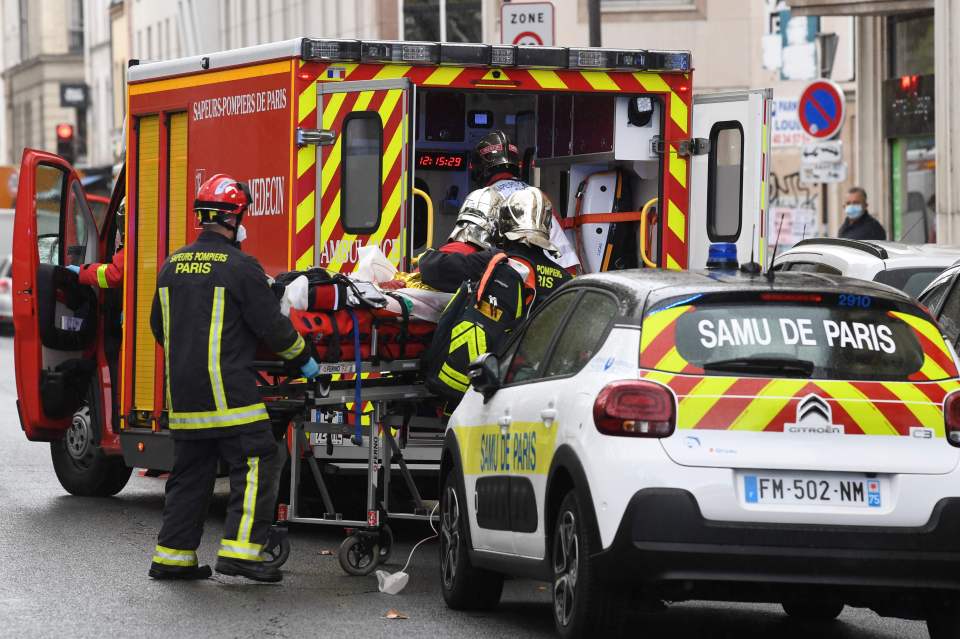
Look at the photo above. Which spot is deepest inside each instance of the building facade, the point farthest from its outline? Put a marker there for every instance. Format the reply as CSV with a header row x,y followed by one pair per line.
x,y
102,129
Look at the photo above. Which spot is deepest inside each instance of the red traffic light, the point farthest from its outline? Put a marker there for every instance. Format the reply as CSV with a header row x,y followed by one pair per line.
x,y
64,131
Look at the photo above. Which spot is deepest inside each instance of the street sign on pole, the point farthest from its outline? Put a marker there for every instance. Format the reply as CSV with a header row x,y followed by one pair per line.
x,y
527,23
821,109
822,152
825,173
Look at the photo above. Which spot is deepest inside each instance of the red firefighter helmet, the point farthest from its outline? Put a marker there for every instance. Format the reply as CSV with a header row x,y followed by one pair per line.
x,y
220,196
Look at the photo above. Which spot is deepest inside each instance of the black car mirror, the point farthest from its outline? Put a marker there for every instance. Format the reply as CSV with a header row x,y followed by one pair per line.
x,y
484,374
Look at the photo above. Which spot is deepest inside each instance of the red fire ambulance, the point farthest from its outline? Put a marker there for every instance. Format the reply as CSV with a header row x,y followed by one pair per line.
x,y
344,144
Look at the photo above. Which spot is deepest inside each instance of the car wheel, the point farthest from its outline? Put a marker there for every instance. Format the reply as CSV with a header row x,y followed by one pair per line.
x,y
944,623
813,610
81,465
464,586
582,606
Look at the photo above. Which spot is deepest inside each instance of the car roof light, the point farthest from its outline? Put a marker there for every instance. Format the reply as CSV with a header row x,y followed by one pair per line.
x,y
464,54
393,51
336,50
503,55
669,60
542,57
593,58
791,297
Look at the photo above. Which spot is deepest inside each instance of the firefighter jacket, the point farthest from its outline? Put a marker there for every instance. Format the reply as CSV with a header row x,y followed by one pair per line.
x,y
108,275
212,308
452,264
548,273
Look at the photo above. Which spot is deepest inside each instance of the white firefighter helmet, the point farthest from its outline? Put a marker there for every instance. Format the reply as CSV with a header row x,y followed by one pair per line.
x,y
477,221
526,216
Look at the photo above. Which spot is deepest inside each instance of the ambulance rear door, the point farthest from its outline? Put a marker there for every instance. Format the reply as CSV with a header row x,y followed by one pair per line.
x,y
362,180
728,196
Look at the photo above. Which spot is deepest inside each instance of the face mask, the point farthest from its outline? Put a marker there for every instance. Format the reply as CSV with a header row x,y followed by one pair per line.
x,y
853,211
241,233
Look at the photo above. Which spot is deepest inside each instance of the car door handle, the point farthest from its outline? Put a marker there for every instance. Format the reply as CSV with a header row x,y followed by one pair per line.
x,y
504,424
548,415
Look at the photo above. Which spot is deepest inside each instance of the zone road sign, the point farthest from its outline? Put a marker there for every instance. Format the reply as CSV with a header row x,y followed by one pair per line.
x,y
821,109
527,23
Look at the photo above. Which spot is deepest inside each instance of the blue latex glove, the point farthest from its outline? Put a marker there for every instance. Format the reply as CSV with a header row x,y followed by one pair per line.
x,y
74,268
310,370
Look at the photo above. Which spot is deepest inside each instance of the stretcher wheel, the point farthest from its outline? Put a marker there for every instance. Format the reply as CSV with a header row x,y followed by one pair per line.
x,y
359,554
386,543
277,549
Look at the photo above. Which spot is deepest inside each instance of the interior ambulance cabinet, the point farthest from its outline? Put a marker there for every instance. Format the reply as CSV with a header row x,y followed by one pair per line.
x,y
574,124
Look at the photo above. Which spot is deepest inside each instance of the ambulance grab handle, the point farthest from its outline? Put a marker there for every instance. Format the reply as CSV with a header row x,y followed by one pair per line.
x,y
429,202
644,223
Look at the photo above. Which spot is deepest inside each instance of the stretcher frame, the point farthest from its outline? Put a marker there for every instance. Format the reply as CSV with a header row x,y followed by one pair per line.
x,y
384,454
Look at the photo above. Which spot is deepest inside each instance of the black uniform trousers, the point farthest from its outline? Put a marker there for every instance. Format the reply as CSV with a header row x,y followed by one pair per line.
x,y
254,459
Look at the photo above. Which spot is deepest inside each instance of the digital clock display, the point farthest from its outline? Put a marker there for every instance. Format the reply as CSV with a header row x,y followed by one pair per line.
x,y
441,161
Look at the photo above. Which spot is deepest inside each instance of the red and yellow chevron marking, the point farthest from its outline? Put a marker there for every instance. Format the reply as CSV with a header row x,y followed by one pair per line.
x,y
674,89
766,404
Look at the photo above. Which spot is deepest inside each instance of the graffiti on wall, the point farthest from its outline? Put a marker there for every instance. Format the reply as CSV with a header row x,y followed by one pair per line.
x,y
793,209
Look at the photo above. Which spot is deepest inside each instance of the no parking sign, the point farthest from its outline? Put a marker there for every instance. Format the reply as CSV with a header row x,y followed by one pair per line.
x,y
820,109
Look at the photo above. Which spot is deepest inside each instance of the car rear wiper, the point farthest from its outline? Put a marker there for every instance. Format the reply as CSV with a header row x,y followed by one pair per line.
x,y
786,366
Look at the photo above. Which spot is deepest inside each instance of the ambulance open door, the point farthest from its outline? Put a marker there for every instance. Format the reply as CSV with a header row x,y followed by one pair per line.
x,y
54,316
361,192
728,195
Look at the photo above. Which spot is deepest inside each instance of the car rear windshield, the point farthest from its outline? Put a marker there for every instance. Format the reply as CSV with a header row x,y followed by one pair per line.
x,y
807,335
911,281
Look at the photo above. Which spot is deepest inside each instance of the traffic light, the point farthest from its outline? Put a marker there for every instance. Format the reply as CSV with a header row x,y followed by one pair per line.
x,y
66,147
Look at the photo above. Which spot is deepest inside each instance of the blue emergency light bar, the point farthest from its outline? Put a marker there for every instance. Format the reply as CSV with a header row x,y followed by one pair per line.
x,y
457,54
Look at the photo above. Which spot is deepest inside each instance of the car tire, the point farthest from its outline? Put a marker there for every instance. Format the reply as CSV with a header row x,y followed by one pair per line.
x,y
582,605
464,586
81,465
944,623
813,610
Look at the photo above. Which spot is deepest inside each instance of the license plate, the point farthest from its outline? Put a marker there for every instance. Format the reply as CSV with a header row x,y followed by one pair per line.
x,y
813,490
320,439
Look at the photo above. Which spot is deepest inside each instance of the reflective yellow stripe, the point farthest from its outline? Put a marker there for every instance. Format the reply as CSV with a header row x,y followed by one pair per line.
x,y
213,350
863,411
471,335
174,556
676,221
701,399
657,322
925,328
678,166
219,419
102,276
673,361
769,402
249,499
453,378
164,294
914,399
238,550
294,350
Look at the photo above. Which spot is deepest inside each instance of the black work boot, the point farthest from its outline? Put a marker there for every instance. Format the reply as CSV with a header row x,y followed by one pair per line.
x,y
189,573
256,570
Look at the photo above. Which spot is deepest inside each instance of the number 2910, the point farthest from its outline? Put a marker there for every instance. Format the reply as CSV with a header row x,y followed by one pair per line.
x,y
855,301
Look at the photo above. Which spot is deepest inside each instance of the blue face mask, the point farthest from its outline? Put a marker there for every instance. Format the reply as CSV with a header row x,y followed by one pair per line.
x,y
853,211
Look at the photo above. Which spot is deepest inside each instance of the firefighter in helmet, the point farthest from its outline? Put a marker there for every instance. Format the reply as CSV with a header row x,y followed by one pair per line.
x,y
467,251
211,309
525,222
108,274
495,167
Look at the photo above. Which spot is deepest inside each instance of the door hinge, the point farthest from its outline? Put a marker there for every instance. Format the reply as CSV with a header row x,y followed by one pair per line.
x,y
315,137
693,146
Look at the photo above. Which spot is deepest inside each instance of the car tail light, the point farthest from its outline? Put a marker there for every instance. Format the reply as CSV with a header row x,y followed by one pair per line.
x,y
635,409
951,418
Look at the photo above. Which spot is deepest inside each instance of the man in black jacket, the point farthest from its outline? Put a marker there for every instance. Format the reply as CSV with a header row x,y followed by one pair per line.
x,y
859,224
211,309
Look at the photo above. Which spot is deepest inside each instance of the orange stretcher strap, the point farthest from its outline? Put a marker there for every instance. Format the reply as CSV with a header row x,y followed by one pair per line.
x,y
599,218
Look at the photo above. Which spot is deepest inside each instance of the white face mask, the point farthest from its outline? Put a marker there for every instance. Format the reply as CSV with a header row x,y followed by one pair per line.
x,y
241,234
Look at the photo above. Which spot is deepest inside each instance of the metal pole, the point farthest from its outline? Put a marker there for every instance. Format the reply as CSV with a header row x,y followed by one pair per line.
x,y
593,14
443,20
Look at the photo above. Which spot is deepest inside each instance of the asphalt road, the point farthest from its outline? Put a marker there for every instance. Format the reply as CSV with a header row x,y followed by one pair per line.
x,y
77,567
